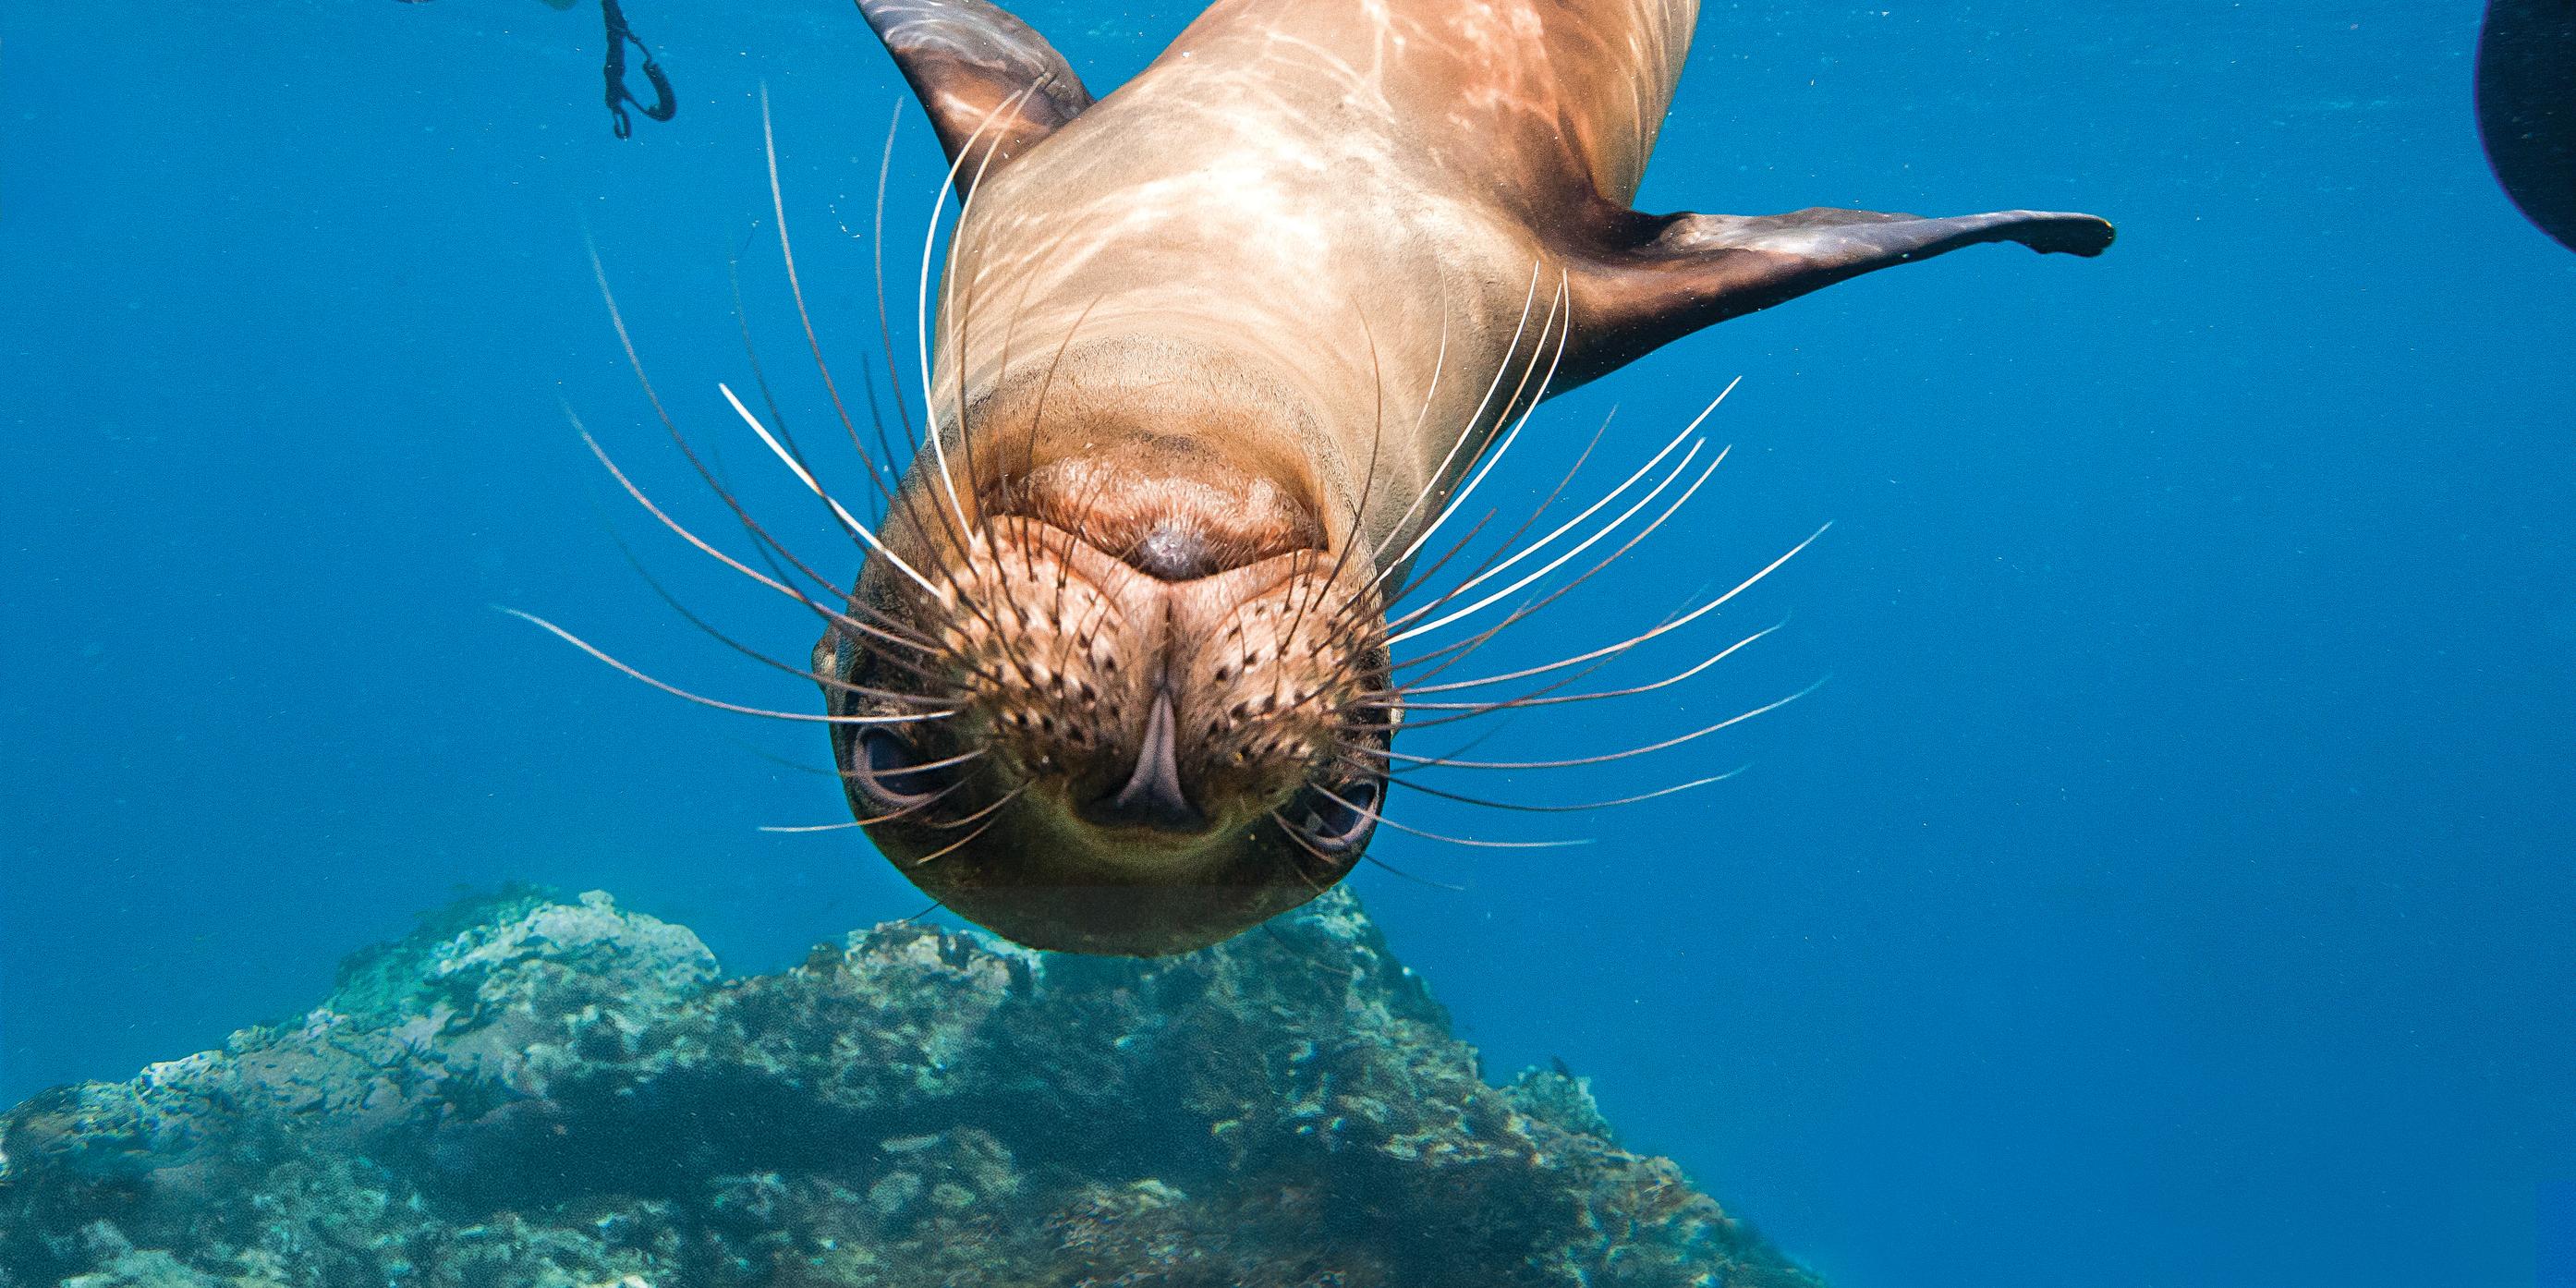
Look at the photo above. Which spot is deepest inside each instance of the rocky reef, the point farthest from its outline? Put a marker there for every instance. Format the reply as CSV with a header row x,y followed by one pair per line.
x,y
535,1092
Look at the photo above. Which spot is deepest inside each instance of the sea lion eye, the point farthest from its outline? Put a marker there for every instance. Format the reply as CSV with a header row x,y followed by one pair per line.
x,y
892,771
1336,818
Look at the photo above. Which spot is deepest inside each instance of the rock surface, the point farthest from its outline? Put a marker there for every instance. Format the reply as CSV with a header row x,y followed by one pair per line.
x,y
566,1095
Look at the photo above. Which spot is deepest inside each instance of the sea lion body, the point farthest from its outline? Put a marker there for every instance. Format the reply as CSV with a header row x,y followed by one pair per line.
x,y
1320,202
1211,356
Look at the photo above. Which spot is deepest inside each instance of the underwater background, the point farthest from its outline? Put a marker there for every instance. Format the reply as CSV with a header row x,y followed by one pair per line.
x,y
2173,883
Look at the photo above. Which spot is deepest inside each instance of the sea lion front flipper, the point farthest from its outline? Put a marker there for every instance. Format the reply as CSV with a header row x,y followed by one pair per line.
x,y
1659,279
981,74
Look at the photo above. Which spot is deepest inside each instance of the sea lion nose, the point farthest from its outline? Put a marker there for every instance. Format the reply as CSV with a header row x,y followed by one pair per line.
x,y
1173,553
1152,796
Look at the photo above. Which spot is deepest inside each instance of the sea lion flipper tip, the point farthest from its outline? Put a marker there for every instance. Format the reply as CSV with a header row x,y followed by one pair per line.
x,y
981,74
1694,270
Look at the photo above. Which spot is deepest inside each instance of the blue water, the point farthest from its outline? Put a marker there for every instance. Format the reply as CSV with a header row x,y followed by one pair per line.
x,y
2171,886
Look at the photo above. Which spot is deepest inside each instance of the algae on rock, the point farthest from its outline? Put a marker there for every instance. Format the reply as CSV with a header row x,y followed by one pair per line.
x,y
534,1092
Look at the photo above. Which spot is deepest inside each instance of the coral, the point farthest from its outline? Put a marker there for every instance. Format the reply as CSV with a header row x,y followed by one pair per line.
x,y
534,1092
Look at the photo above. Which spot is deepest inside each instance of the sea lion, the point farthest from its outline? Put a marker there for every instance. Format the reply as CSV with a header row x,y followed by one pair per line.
x,y
1212,359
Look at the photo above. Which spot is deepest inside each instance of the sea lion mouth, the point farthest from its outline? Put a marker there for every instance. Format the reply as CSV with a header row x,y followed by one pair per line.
x,y
1134,761
1152,797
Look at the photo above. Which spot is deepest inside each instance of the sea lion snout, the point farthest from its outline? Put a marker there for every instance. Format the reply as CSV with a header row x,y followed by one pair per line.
x,y
1133,763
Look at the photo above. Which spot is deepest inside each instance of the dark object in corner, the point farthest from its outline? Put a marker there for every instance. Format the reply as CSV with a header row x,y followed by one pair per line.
x,y
613,69
619,35
2527,108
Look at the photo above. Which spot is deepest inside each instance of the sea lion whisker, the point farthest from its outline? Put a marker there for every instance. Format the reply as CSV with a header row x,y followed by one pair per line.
x,y
849,522
1364,609
1450,655
876,421
1524,808
1546,695
890,633
1394,699
796,292
1368,484
1527,610
1358,610
1502,547
1458,614
784,762
949,293
1383,821
945,762
1648,749
1561,529
921,300
830,682
1494,456
760,535
1046,385
1431,481
717,703
984,813
1633,641
1376,862
769,396
1358,613
1299,838
953,846
1009,640
1399,718
1542,698
924,803
885,324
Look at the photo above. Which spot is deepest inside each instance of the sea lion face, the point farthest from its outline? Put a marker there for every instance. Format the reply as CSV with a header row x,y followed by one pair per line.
x,y
1152,689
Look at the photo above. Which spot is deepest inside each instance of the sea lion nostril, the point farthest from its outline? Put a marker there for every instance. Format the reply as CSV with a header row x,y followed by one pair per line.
x,y
1173,553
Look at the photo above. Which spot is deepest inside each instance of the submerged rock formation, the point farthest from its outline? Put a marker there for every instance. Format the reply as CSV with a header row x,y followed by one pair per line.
x,y
532,1092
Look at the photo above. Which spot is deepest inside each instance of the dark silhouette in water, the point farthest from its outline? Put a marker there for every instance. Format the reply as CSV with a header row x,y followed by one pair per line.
x,y
2527,108
613,69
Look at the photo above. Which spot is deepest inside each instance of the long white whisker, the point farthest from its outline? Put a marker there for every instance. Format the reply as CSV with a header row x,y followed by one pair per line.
x,y
921,301
1633,641
704,547
1431,483
1495,456
1543,542
1660,792
676,691
1383,820
848,520
1650,748
1586,544
877,472
1544,699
